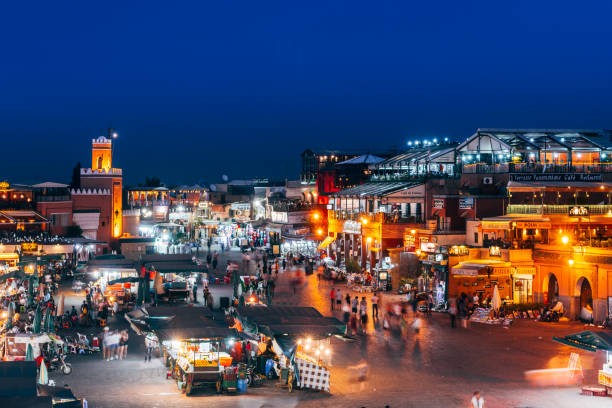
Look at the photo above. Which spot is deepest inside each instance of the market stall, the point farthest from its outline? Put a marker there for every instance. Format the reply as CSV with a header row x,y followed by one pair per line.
x,y
594,341
300,338
196,347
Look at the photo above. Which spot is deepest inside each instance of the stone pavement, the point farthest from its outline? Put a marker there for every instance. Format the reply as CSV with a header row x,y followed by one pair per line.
x,y
438,367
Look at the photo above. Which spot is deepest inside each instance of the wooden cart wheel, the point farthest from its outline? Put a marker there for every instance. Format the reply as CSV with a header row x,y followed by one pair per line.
x,y
218,385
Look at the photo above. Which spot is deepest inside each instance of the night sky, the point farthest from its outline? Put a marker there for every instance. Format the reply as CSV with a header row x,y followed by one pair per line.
x,y
242,88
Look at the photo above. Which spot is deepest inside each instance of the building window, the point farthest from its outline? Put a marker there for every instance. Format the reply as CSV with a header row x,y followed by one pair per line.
x,y
475,237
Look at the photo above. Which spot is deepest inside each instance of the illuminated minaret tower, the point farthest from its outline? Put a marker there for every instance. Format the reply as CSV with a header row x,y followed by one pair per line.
x,y
101,190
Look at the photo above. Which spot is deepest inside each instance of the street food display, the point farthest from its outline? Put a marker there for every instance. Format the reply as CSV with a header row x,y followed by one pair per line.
x,y
196,362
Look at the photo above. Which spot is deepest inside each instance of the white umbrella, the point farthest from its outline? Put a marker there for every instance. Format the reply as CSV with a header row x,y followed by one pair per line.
x,y
60,305
496,301
44,375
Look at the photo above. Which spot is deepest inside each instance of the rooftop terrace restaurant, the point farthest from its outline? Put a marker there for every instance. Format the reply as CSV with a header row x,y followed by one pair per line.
x,y
418,162
535,151
581,211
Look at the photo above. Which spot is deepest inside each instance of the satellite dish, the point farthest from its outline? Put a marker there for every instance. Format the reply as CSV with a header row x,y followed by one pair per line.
x,y
224,177
213,187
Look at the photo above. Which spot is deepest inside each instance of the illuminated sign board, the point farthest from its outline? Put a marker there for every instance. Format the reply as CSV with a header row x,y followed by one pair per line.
x,y
438,203
533,225
494,251
459,250
579,212
29,247
595,177
466,203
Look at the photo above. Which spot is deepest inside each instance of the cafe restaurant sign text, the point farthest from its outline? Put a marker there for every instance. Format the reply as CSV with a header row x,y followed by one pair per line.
x,y
579,211
595,177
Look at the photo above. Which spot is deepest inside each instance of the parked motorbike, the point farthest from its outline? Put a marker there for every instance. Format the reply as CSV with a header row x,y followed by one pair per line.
x,y
549,316
58,363
253,379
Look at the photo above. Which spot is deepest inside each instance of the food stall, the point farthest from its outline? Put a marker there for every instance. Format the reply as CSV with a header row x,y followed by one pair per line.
x,y
300,338
593,341
195,346
14,345
121,291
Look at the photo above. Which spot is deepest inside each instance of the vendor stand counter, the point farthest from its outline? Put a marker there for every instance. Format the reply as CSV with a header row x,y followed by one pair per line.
x,y
593,341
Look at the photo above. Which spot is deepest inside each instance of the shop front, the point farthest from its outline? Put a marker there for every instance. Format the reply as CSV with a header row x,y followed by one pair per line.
x,y
480,276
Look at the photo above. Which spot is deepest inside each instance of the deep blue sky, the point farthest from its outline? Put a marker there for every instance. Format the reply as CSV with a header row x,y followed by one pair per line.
x,y
241,88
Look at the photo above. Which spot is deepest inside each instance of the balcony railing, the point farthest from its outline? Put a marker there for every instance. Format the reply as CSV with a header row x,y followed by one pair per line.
x,y
482,168
536,209
376,217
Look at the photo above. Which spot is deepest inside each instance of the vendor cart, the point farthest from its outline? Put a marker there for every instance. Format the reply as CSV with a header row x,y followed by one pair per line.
x,y
198,362
194,345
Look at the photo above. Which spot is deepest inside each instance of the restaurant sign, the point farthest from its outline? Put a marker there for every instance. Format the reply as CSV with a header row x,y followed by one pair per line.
x,y
409,241
351,227
533,225
579,212
595,177
29,247
438,203
466,203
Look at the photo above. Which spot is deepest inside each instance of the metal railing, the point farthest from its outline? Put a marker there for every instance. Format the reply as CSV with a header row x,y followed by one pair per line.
x,y
376,217
482,168
544,209
535,168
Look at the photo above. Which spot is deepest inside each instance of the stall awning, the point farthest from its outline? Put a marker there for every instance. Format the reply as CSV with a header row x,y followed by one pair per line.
x,y
326,242
587,340
467,270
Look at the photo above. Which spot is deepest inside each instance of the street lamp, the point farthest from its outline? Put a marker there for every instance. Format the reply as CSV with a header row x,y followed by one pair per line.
x,y
565,239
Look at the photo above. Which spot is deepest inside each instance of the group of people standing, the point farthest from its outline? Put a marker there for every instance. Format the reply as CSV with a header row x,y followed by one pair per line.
x,y
114,344
354,310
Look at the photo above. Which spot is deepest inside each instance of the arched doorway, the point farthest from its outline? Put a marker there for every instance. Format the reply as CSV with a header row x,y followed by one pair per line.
x,y
552,289
584,300
586,294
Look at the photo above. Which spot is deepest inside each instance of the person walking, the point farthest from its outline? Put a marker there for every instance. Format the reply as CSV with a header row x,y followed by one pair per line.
x,y
105,345
374,301
355,305
363,314
148,349
123,340
195,292
332,296
338,297
477,400
348,298
452,312
346,316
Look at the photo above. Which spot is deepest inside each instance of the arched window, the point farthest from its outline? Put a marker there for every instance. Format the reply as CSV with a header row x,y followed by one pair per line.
x,y
99,162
